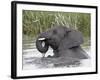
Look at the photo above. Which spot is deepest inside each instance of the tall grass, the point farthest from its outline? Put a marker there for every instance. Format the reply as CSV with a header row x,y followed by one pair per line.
x,y
35,22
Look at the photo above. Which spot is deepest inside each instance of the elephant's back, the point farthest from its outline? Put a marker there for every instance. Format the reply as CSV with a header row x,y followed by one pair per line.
x,y
76,36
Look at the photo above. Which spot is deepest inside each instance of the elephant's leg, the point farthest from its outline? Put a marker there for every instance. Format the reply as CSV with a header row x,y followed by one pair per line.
x,y
75,53
80,53
56,53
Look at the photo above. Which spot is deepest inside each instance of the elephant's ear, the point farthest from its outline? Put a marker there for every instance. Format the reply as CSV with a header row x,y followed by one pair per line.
x,y
72,39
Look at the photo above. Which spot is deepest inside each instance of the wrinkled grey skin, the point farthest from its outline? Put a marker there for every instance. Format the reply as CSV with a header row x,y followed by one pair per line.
x,y
64,41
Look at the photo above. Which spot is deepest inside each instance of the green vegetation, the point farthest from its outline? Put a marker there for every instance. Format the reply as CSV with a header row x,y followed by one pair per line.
x,y
35,22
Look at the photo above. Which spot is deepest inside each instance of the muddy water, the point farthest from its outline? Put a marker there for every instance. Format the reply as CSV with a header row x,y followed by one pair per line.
x,y
32,59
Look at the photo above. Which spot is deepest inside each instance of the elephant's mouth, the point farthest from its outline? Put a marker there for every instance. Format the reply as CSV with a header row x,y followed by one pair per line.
x,y
52,43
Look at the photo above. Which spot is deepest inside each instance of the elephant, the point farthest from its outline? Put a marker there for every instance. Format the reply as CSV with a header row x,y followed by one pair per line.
x,y
64,41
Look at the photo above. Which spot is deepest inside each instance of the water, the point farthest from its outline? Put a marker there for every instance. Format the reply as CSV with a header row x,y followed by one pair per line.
x,y
32,58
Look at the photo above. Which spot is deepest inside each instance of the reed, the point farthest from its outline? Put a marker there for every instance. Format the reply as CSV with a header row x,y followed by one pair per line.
x,y
35,22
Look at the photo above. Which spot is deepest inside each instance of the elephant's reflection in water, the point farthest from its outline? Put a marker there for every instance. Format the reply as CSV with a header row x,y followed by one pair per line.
x,y
64,41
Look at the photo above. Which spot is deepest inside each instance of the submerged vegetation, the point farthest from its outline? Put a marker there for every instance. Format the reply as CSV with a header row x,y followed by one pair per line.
x,y
35,22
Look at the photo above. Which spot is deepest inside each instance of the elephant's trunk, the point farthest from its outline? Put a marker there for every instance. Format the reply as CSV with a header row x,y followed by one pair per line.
x,y
43,48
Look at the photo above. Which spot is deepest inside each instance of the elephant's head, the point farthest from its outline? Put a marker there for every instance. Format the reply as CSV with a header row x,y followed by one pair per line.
x,y
58,38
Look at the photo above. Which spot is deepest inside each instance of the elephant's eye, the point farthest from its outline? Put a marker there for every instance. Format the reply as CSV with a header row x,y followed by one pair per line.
x,y
54,32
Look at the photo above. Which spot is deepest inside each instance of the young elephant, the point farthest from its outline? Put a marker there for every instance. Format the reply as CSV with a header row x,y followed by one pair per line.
x,y
64,42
